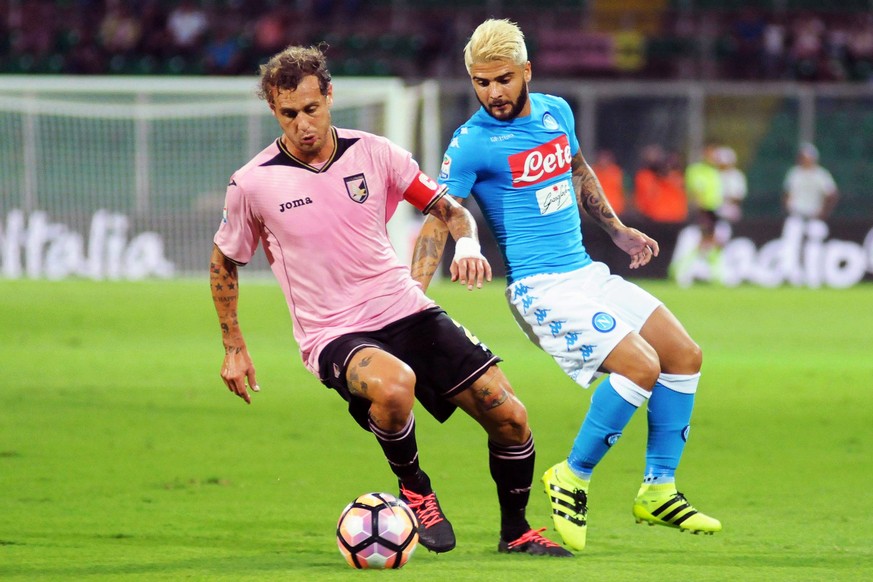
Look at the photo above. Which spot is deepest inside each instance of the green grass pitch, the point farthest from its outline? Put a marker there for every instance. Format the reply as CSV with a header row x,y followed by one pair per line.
x,y
122,455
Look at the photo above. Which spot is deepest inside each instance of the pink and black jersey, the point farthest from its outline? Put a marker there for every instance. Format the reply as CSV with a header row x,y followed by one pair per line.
x,y
323,229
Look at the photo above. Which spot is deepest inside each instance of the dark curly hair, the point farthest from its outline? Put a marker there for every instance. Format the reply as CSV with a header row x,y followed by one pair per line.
x,y
285,70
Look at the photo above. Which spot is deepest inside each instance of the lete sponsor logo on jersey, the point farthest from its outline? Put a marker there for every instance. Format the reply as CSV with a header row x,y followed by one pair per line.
x,y
541,163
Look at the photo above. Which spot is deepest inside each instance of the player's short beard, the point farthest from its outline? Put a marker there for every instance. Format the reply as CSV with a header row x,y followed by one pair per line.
x,y
517,106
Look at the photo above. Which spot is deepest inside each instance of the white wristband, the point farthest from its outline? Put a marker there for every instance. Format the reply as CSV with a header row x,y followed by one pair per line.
x,y
467,248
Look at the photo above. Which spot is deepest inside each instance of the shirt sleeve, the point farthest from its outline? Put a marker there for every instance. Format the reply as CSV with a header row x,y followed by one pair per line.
x,y
828,182
401,167
239,231
569,126
458,171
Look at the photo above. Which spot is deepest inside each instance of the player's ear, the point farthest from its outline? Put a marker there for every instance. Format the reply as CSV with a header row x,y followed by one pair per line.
x,y
330,95
527,72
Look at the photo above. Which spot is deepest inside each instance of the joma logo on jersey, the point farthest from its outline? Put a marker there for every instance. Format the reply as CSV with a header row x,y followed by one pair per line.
x,y
294,204
541,163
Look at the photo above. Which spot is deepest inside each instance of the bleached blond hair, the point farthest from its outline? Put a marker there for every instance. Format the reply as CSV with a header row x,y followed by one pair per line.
x,y
495,40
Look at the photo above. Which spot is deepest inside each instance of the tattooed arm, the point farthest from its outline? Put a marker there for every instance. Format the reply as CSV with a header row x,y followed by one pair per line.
x,y
468,266
428,250
591,199
237,367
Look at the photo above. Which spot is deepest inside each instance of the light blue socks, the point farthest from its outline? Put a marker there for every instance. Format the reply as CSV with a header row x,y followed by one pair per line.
x,y
669,423
612,405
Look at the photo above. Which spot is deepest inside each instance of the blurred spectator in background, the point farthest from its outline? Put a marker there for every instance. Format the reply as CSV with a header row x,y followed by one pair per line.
x,y
673,186
773,48
646,188
806,47
836,40
120,30
611,178
658,191
703,185
734,185
734,188
187,25
34,28
746,35
270,32
155,35
346,10
27,33
223,54
630,47
810,190
84,56
859,49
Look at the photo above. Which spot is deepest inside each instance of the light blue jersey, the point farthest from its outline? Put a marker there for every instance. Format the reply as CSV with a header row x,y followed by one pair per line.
x,y
519,172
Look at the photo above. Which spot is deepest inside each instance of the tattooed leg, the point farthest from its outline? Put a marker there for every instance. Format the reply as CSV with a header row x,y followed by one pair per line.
x,y
491,401
387,382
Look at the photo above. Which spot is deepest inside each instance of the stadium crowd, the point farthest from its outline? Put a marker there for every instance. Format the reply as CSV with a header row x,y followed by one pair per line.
x,y
417,39
657,190
661,188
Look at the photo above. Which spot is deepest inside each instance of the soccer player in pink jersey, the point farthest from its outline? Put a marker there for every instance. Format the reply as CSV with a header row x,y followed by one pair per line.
x,y
318,199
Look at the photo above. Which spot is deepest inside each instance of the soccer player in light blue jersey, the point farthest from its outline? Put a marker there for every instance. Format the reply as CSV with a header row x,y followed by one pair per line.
x,y
519,157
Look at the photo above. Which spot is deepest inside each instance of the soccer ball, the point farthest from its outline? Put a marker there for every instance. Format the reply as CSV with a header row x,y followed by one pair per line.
x,y
377,530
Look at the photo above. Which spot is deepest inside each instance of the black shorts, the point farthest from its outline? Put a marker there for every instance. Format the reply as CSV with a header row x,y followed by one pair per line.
x,y
445,357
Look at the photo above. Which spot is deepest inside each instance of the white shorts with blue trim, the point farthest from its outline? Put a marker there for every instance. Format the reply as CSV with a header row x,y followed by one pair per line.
x,y
580,316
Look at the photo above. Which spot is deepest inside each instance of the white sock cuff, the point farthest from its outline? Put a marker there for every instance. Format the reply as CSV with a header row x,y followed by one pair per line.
x,y
629,391
683,383
392,436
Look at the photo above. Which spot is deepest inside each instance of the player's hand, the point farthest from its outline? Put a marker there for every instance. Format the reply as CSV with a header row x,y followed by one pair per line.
x,y
238,370
469,266
640,246
471,272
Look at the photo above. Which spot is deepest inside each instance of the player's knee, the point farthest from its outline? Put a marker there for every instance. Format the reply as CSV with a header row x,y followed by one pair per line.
x,y
688,360
395,391
510,426
693,358
516,430
644,369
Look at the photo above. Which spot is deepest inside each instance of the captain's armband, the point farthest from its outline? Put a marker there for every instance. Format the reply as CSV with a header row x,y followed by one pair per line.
x,y
424,192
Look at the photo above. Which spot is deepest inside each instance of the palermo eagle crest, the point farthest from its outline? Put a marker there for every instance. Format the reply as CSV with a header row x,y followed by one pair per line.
x,y
356,186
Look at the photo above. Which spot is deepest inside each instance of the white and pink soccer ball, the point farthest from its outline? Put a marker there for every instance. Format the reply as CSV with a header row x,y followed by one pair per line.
x,y
377,530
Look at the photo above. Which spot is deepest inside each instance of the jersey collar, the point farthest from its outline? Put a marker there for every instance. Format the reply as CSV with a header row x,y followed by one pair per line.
x,y
286,158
